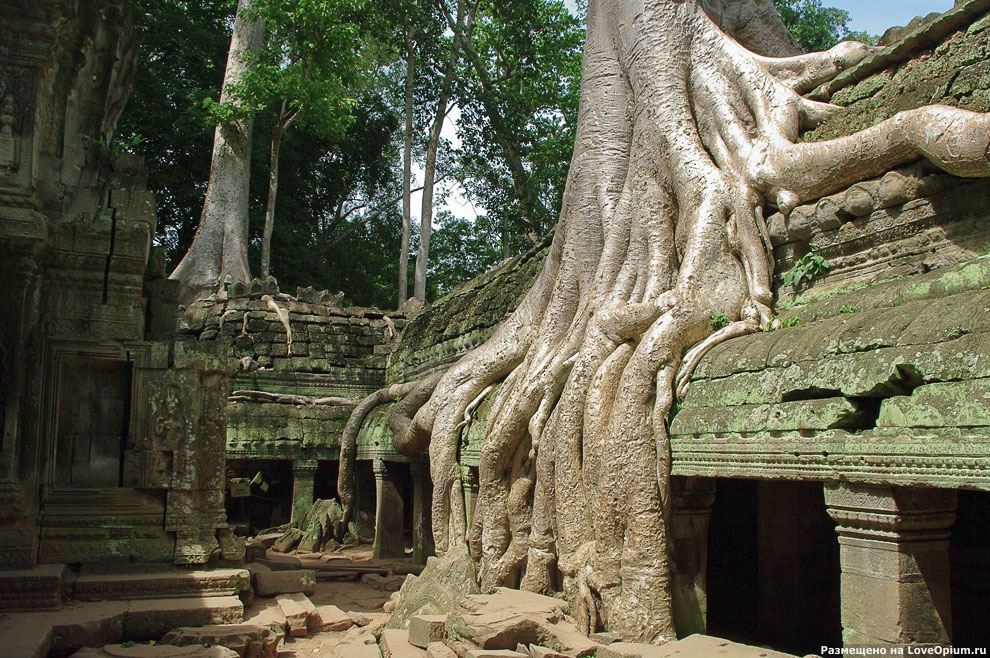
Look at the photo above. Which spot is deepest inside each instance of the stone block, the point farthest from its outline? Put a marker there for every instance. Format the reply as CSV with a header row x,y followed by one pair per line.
x,y
38,589
427,629
632,650
297,610
332,618
536,651
91,624
395,644
494,653
150,619
439,650
270,617
246,640
96,586
285,582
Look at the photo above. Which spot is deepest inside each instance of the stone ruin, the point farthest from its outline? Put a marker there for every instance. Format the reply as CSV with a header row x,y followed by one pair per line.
x,y
837,466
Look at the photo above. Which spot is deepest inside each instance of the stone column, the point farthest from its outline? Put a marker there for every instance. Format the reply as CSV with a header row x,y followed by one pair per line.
x,y
303,478
469,482
691,509
388,513
422,527
893,551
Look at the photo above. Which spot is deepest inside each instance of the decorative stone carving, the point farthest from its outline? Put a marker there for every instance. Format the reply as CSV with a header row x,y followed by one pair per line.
x,y
8,139
893,551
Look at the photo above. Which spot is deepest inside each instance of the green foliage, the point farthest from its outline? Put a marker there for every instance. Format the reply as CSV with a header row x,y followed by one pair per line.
x,y
530,53
460,250
718,321
793,321
847,308
182,49
815,27
806,269
310,64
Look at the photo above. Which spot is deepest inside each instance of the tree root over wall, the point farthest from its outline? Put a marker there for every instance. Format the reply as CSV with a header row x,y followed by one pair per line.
x,y
684,138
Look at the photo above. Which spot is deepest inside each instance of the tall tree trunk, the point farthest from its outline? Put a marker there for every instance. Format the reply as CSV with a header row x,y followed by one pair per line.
x,y
266,239
219,248
465,17
407,174
685,140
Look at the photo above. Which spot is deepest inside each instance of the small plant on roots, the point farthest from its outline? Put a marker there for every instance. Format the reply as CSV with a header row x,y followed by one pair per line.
x,y
792,321
719,320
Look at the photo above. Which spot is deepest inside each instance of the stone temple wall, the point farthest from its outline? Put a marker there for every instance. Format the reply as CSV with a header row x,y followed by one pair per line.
x,y
290,400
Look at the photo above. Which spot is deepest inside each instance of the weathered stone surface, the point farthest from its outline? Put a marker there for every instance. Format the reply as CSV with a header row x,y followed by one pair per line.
x,y
332,618
690,647
157,651
395,644
823,414
363,645
950,404
297,609
632,650
285,582
427,629
94,586
270,617
248,641
537,651
288,541
150,619
494,653
383,583
39,588
438,590
439,650
507,618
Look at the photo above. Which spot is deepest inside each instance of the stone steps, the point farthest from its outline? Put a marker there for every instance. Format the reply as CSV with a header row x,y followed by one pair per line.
x,y
40,588
36,634
172,583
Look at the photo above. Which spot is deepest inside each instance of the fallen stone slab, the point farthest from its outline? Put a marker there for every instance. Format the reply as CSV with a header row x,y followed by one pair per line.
x,y
92,585
363,645
439,650
495,653
270,617
297,610
631,650
254,552
267,540
427,629
507,618
331,618
271,583
25,635
281,562
246,640
395,644
150,619
536,651
288,541
88,625
156,651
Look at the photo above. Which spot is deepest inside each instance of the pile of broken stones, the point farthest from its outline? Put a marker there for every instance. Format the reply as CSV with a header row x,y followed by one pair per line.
x,y
439,614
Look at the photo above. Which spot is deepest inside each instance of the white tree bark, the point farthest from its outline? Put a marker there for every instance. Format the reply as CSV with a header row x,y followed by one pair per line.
x,y
684,139
219,247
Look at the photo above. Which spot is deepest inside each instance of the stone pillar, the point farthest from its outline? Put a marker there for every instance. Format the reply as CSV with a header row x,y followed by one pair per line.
x,y
893,551
691,509
469,482
422,526
388,513
303,478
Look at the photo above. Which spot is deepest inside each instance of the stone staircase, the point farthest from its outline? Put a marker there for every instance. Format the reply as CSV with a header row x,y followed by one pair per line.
x,y
52,610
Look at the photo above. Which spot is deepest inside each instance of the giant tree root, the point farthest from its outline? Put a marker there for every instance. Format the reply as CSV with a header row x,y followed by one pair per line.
x,y
685,140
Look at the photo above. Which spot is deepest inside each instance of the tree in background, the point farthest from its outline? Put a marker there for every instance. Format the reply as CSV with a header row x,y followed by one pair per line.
x,y
219,248
815,27
308,69
182,48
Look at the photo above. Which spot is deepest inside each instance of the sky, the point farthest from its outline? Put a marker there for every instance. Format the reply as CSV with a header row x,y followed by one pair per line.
x,y
873,16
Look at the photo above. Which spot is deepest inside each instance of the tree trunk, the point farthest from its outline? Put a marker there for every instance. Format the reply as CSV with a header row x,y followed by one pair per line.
x,y
266,239
464,18
407,174
219,248
685,140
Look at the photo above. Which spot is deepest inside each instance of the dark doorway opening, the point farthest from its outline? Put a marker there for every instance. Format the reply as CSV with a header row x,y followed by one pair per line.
x,y
969,570
773,566
267,502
